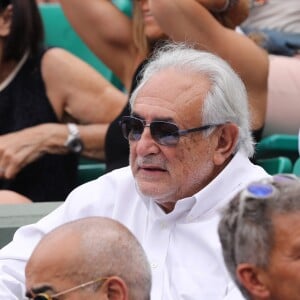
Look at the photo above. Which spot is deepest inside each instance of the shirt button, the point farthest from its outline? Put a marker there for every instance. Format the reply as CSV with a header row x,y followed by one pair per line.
x,y
163,225
154,265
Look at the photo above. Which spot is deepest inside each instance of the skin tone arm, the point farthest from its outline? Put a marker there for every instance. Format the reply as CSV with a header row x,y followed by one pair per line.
x,y
234,16
212,4
10,197
108,32
77,93
194,23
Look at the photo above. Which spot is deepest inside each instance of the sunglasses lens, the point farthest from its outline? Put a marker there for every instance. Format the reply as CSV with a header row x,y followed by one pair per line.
x,y
261,190
164,133
132,128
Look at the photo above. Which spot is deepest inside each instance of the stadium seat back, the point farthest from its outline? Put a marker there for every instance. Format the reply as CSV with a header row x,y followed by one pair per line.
x,y
296,168
278,145
276,165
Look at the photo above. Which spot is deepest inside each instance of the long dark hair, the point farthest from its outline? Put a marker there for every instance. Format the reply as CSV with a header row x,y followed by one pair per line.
x,y
26,33
3,4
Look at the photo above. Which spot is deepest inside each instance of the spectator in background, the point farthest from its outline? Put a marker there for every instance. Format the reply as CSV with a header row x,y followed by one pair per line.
x,y
275,26
189,142
124,44
99,259
283,95
259,231
40,91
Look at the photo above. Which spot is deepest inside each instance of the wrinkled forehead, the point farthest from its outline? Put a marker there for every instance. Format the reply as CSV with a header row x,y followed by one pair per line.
x,y
175,90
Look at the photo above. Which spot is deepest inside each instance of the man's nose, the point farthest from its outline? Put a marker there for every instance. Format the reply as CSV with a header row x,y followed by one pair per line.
x,y
146,144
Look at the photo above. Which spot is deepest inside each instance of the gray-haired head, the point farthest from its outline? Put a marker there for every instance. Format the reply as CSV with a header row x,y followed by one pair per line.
x,y
104,248
226,101
246,229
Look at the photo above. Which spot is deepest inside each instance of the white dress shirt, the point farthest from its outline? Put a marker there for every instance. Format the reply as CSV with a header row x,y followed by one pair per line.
x,y
182,246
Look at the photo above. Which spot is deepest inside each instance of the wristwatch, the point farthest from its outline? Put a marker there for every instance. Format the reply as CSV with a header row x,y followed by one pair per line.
x,y
73,142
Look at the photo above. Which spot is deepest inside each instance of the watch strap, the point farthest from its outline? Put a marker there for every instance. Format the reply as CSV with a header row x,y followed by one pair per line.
x,y
73,130
73,142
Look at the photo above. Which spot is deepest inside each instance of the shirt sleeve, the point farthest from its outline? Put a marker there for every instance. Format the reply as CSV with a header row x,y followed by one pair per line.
x,y
14,256
12,285
86,200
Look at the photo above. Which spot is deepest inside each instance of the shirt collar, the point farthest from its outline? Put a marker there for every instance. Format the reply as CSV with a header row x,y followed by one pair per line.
x,y
236,175
219,191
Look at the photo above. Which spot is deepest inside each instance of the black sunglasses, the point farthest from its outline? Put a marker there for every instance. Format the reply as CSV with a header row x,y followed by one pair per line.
x,y
164,133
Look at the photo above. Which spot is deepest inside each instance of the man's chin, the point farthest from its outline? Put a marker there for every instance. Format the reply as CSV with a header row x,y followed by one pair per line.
x,y
149,189
156,195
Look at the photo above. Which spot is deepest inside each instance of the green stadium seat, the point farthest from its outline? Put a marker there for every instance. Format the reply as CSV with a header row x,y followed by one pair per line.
x,y
125,6
90,171
296,168
278,145
276,165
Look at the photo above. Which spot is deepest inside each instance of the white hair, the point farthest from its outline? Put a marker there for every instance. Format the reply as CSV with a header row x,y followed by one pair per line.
x,y
226,100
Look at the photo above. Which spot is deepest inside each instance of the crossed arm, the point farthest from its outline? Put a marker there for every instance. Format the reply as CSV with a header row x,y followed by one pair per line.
x,y
194,23
77,93
108,32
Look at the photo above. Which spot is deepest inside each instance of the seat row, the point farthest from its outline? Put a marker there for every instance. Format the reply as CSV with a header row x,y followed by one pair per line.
x,y
279,153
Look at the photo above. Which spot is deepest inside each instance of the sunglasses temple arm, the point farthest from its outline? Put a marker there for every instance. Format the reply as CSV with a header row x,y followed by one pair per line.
x,y
78,287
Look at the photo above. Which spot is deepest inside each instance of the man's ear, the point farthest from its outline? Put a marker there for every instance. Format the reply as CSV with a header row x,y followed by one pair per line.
x,y
254,280
5,21
115,288
227,136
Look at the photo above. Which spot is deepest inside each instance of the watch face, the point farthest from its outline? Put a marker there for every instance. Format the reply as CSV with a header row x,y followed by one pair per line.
x,y
74,142
76,145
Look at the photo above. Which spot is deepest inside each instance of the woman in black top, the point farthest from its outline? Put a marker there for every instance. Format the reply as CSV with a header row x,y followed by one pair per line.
x,y
40,90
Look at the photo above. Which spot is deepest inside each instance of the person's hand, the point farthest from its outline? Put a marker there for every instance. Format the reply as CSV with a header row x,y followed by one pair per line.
x,y
20,148
235,15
